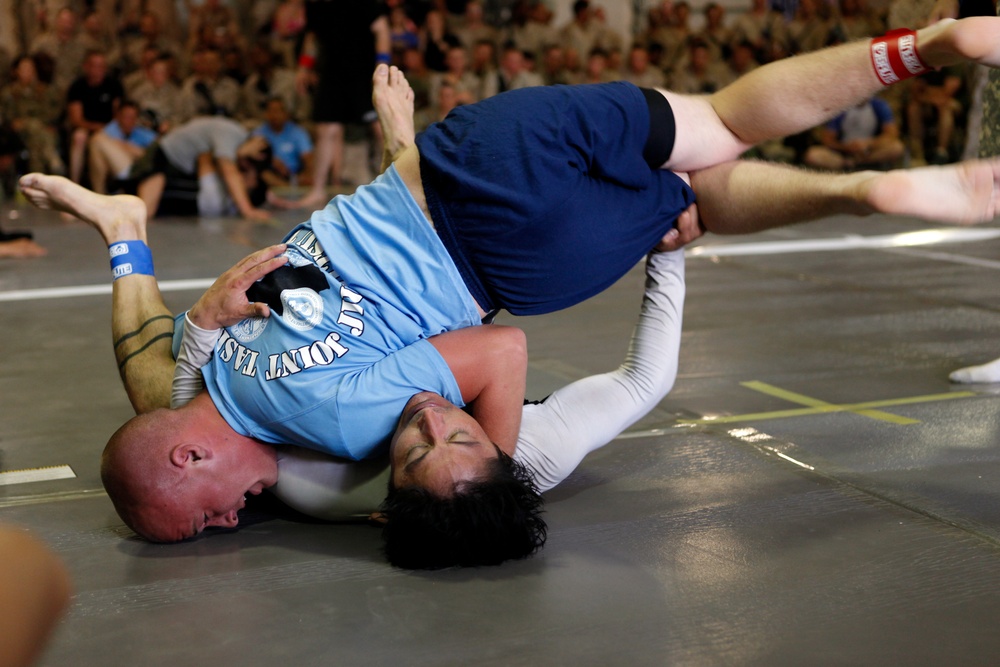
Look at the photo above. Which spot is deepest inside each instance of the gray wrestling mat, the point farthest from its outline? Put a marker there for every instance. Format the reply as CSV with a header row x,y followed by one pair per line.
x,y
813,492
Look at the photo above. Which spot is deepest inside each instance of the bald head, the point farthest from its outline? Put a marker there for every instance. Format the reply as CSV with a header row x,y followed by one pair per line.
x,y
173,473
137,473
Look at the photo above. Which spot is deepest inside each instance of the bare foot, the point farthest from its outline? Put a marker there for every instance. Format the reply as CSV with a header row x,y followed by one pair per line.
x,y
117,218
393,100
312,200
21,249
965,193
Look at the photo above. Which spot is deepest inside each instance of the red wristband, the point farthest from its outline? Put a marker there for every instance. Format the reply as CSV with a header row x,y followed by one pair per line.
x,y
895,57
307,61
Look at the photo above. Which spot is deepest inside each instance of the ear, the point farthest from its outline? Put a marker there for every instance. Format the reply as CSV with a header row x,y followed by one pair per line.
x,y
188,454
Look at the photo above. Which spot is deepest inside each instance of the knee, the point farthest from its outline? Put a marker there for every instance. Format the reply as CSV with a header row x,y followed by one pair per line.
x,y
79,139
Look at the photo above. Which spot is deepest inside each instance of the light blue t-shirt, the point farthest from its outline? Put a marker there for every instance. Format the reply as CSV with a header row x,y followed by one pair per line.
x,y
140,136
334,365
289,145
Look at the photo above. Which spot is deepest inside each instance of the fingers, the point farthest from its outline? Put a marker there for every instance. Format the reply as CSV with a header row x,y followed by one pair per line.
x,y
258,309
255,266
687,228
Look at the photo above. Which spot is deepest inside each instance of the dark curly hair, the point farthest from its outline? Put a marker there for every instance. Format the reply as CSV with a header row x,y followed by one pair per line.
x,y
484,522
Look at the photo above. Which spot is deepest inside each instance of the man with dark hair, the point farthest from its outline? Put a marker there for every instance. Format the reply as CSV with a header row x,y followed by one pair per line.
x,y
474,526
92,102
540,198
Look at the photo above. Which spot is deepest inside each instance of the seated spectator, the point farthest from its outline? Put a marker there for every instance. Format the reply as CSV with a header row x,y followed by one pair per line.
x,y
446,100
32,109
554,66
91,103
464,83
209,165
133,80
582,31
64,46
150,36
484,66
117,146
218,37
856,22
97,34
473,28
742,59
596,69
290,144
866,136
267,80
288,25
666,46
615,64
607,38
212,16
419,76
715,33
531,28
158,96
700,74
933,101
759,26
403,31
234,65
207,92
810,29
640,72
513,73
436,39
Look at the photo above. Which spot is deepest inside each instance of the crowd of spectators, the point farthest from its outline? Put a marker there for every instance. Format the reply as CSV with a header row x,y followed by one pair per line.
x,y
68,72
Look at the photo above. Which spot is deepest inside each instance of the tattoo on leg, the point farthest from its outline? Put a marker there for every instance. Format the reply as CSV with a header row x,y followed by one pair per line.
x,y
141,327
168,335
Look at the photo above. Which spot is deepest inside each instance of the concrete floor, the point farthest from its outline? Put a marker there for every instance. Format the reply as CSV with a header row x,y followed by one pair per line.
x,y
813,492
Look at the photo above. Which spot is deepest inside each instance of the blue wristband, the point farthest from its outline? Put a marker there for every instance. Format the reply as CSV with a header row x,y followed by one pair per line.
x,y
130,257
383,58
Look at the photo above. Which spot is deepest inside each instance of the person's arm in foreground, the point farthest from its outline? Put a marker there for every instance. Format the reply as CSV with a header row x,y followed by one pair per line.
x,y
589,413
34,591
490,364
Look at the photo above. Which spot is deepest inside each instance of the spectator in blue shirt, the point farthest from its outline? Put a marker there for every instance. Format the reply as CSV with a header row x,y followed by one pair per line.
x,y
115,147
864,136
290,143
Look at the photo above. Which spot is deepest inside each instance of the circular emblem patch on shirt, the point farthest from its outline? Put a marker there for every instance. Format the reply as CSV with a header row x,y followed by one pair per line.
x,y
303,308
249,329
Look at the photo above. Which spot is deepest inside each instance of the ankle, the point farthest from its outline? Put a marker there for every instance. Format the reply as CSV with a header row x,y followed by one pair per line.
x,y
945,43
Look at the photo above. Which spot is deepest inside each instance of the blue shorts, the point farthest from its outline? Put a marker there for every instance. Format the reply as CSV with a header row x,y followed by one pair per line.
x,y
542,195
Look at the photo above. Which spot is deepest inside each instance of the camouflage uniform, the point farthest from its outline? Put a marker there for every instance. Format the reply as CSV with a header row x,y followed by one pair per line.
x,y
38,108
989,134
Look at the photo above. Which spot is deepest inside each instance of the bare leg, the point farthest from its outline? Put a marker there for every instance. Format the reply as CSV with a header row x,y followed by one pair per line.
x,y
328,157
392,97
743,197
77,153
141,324
822,157
794,94
98,165
151,191
107,157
